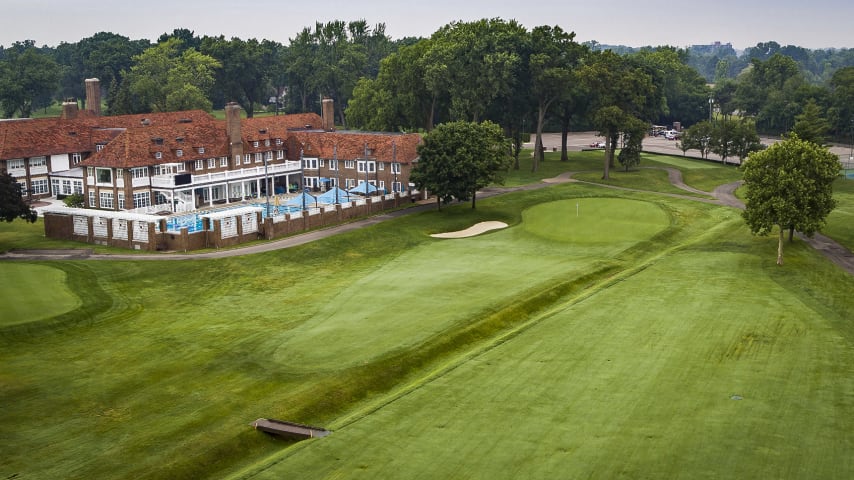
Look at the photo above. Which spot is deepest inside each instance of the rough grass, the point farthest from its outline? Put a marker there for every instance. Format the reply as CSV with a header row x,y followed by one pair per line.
x,y
840,223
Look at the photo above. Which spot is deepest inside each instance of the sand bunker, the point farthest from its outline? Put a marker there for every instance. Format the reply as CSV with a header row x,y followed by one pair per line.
x,y
475,229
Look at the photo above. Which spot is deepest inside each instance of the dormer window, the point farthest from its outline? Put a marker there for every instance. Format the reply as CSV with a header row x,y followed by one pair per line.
x,y
279,141
255,143
99,147
158,155
201,149
179,139
267,142
262,131
157,141
179,153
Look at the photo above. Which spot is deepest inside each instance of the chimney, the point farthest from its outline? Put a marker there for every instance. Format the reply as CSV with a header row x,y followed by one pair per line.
x,y
69,110
232,129
93,96
327,114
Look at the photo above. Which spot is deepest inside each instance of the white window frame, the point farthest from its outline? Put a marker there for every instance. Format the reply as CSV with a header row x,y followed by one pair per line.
x,y
333,165
16,164
349,164
76,158
141,199
247,158
38,162
201,150
211,163
309,163
39,186
371,166
179,153
223,162
106,200
280,154
200,165
121,200
140,172
158,155
98,172
259,157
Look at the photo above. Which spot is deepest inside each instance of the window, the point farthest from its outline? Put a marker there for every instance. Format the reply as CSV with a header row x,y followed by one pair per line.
x,y
38,162
259,157
211,163
201,149
395,187
371,166
255,144
104,175
237,160
40,186
90,171
106,199
17,164
179,153
349,164
139,172
121,201
76,158
279,141
200,165
309,163
280,154
158,155
320,163
54,185
247,158
78,186
268,155
92,198
179,167
22,186
350,183
223,161
333,165
395,168
382,185
141,199
99,147
267,142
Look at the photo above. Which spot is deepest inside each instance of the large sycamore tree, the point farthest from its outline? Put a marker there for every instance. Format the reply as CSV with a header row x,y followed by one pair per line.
x,y
790,186
457,159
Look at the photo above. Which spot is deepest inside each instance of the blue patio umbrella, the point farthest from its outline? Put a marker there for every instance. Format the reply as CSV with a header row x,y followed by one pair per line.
x,y
303,200
363,188
336,195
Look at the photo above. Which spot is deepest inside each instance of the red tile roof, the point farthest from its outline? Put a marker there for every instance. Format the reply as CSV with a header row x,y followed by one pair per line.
x,y
385,147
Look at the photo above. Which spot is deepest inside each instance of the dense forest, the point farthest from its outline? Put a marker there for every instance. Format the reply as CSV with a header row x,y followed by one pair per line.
x,y
526,80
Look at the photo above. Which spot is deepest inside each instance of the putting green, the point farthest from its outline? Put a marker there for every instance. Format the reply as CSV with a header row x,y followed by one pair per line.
x,y
595,220
33,292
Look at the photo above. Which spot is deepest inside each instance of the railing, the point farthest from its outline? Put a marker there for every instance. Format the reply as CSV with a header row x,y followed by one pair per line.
x,y
168,181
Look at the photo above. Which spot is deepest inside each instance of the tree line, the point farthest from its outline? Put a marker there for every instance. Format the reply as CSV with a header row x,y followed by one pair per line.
x,y
524,80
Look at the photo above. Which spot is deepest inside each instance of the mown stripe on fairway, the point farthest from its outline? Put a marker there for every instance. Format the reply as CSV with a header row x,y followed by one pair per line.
x,y
681,384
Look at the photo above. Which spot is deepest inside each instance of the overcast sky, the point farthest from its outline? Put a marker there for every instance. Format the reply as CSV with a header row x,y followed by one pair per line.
x,y
744,23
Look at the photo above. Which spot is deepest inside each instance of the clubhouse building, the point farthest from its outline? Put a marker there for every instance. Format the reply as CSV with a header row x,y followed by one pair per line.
x,y
161,164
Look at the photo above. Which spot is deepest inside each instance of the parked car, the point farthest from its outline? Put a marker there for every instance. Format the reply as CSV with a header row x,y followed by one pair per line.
x,y
597,145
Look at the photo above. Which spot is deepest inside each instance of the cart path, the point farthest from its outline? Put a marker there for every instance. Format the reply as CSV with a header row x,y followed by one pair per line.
x,y
722,195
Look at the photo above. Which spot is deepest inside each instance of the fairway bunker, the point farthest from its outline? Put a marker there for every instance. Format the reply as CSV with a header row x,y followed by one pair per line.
x,y
289,430
475,229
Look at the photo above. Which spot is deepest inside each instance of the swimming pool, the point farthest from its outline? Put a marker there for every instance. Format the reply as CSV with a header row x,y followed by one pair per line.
x,y
193,221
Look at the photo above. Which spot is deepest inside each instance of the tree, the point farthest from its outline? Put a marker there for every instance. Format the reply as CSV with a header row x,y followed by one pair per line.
x,y
28,78
459,158
789,185
554,55
622,90
634,132
697,137
165,80
244,75
810,125
12,204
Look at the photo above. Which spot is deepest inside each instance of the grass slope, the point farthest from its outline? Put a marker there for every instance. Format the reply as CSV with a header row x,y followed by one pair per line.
x,y
159,370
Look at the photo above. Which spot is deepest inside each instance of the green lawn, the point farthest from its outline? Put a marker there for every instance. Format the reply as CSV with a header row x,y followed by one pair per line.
x,y
840,223
604,333
34,292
